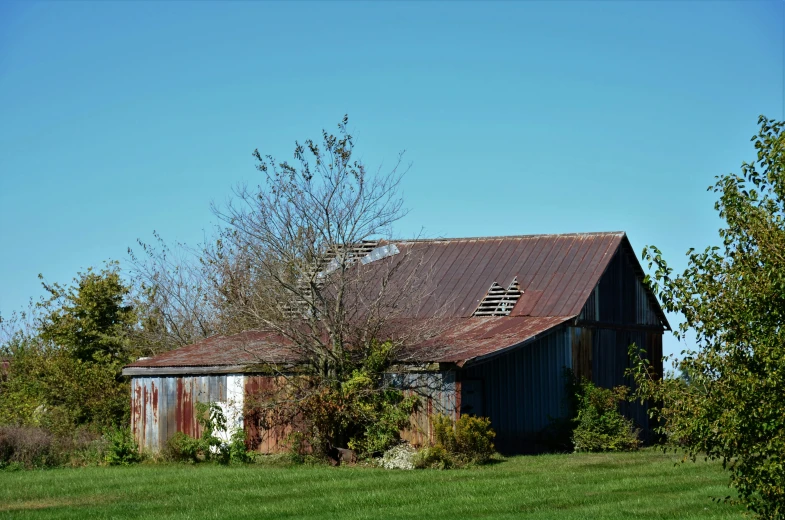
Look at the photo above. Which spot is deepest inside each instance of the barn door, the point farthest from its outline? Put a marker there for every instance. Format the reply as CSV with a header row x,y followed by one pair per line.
x,y
471,397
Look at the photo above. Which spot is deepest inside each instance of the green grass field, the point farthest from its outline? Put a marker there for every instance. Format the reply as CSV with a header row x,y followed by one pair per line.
x,y
639,485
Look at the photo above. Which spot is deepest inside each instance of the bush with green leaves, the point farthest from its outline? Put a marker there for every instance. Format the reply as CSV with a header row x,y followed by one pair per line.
x,y
599,424
469,440
435,457
122,449
66,356
359,410
209,446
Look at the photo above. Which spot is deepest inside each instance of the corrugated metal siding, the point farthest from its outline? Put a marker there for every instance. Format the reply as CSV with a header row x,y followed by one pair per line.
x,y
162,406
525,388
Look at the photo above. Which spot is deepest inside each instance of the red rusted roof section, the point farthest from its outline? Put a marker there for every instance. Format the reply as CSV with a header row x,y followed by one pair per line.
x,y
238,349
470,338
463,339
556,274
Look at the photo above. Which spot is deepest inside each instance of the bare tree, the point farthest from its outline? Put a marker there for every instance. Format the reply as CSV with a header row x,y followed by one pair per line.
x,y
317,265
173,293
306,257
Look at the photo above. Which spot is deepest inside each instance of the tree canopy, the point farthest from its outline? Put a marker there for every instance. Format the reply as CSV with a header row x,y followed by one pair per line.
x,y
731,404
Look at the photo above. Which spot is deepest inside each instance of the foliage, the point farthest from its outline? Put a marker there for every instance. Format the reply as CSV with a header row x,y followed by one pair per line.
x,y
238,452
469,440
362,411
599,425
28,447
91,319
400,456
49,388
296,447
731,406
209,446
65,369
183,448
122,449
434,457
33,447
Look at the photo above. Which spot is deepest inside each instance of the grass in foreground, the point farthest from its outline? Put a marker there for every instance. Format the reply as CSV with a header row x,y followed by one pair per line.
x,y
635,485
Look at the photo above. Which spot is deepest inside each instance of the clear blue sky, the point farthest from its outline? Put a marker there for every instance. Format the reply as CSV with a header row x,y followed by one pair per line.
x,y
117,119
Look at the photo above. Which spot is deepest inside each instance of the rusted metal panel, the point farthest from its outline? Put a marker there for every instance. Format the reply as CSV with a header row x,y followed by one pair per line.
x,y
557,274
162,406
258,437
469,338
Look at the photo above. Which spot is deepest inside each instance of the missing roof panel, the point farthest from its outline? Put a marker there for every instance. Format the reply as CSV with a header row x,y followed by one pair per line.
x,y
499,301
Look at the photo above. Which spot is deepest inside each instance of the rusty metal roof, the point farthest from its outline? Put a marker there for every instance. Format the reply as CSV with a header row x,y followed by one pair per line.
x,y
247,347
556,273
472,338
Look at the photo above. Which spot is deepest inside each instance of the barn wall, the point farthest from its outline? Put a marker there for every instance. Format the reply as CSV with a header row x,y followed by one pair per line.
x,y
260,438
620,297
437,393
525,388
619,312
164,405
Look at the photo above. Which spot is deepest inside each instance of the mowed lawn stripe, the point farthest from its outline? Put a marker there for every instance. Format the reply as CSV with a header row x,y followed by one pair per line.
x,y
647,484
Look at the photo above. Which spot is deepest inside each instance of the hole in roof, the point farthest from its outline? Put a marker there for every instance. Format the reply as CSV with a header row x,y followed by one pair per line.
x,y
379,253
499,301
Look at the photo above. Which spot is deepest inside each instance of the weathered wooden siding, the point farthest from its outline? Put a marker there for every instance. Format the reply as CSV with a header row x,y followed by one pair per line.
x,y
619,312
611,360
620,297
437,393
259,438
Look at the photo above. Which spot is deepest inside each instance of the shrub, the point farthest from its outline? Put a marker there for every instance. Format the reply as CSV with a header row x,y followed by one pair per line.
x,y
600,425
474,438
434,457
296,447
29,447
238,453
467,441
122,449
209,447
182,448
401,456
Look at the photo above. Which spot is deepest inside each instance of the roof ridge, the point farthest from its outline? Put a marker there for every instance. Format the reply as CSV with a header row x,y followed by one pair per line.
x,y
497,237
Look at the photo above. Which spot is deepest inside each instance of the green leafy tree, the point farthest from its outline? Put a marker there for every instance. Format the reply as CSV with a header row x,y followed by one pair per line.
x,y
731,406
90,319
65,370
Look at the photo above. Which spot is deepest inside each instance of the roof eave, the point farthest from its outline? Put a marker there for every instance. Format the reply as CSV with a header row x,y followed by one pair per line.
x,y
487,357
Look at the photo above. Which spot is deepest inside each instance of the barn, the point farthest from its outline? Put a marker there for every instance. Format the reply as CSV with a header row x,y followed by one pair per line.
x,y
525,309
